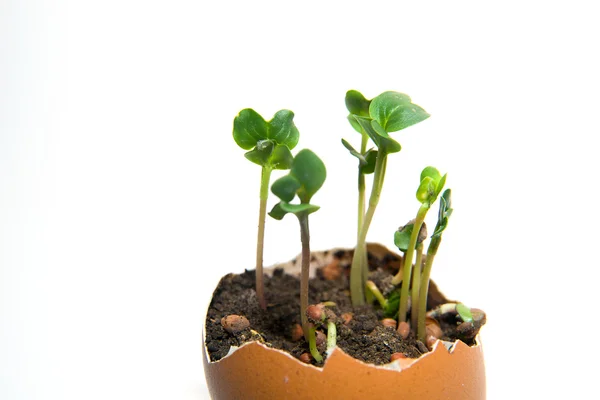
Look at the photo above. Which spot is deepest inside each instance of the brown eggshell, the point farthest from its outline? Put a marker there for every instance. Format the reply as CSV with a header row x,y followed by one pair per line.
x,y
256,372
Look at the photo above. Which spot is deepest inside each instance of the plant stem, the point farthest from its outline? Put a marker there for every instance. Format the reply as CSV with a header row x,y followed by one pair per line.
x,y
407,264
359,269
431,252
331,336
312,344
305,239
361,187
416,286
377,293
264,194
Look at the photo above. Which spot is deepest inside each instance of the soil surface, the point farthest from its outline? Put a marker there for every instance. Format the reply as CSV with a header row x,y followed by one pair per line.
x,y
363,336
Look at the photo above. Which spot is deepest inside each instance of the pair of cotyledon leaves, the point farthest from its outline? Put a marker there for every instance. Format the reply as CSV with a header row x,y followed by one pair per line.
x,y
432,183
307,175
388,112
269,142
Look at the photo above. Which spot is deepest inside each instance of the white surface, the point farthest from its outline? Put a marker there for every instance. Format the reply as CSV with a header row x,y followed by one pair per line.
x,y
123,195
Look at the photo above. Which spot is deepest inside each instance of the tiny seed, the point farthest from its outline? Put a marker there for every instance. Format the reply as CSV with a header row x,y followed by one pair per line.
x,y
314,312
432,328
397,356
320,338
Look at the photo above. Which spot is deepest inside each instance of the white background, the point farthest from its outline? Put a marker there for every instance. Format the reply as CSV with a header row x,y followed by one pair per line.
x,y
123,197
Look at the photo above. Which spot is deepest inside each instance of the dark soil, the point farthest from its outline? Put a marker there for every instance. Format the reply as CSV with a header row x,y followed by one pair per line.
x,y
364,337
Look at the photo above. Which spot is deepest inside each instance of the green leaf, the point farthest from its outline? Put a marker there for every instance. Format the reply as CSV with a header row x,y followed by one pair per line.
x,y
282,130
403,234
285,187
395,111
277,212
355,124
426,191
378,135
440,185
261,153
371,158
444,213
297,209
249,128
431,172
310,171
281,157
464,312
393,302
356,103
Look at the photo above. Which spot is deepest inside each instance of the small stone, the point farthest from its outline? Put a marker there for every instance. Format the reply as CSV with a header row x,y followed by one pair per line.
x,y
432,328
430,342
234,323
314,312
397,356
305,358
320,338
347,317
404,329
297,333
389,323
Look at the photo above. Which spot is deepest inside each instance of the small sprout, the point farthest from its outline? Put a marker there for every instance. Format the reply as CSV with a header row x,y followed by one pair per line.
x,y
307,175
305,358
404,329
389,323
431,184
397,356
234,323
372,287
312,343
464,312
374,119
297,333
269,144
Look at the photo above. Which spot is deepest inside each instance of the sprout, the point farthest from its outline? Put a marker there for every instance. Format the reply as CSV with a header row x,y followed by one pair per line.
x,y
269,144
307,175
374,119
434,244
432,183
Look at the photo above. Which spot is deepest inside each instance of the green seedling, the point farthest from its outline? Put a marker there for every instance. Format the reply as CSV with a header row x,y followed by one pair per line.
x,y
375,119
434,244
402,239
269,144
372,287
312,343
318,315
307,175
432,183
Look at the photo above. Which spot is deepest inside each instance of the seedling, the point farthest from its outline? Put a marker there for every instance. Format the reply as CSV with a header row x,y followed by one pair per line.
x,y
434,244
318,315
269,144
306,176
432,183
375,119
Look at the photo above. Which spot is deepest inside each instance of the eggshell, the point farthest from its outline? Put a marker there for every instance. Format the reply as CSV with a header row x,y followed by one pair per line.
x,y
253,371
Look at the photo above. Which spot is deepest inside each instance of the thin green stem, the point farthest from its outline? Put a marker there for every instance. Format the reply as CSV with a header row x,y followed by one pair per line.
x,y
416,286
305,239
262,213
312,344
359,268
407,264
372,287
331,336
361,187
431,252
